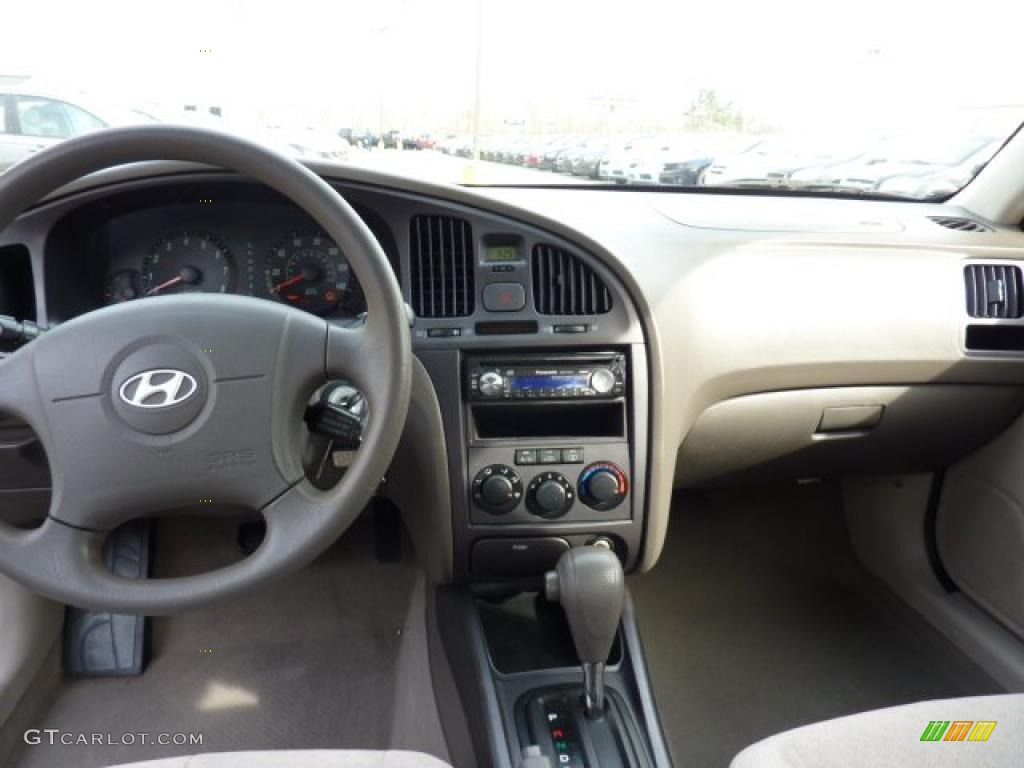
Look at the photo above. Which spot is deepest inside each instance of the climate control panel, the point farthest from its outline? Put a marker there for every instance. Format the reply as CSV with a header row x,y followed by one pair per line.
x,y
549,483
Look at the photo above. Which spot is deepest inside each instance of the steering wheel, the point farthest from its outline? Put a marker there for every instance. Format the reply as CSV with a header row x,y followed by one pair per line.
x,y
153,405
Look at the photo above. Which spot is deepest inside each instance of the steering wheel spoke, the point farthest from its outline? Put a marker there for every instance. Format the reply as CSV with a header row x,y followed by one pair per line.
x,y
19,394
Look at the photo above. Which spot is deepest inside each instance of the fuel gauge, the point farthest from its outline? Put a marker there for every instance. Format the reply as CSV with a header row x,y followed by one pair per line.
x,y
123,285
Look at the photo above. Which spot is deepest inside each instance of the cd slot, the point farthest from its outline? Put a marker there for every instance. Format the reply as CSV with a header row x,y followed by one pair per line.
x,y
561,419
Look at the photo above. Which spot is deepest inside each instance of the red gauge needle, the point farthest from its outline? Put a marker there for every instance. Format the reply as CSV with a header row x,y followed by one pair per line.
x,y
288,283
166,284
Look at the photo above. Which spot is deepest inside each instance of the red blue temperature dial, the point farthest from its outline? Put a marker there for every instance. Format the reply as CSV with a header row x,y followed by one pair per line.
x,y
602,485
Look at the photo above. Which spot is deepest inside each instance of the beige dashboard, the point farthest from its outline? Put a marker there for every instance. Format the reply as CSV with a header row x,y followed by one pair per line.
x,y
786,337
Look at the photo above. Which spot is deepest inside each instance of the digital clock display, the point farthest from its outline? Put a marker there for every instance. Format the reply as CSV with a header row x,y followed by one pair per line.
x,y
557,381
501,253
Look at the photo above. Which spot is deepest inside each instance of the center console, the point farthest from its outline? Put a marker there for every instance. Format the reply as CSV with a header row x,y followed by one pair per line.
x,y
523,411
551,450
539,362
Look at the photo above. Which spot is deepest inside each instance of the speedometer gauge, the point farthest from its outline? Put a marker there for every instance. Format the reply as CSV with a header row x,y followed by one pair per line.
x,y
308,271
187,262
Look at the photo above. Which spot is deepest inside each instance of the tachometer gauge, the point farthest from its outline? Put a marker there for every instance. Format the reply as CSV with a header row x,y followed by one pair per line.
x,y
187,262
123,285
308,271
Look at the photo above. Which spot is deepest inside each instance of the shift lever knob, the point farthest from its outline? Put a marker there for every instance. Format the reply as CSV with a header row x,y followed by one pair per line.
x,y
589,584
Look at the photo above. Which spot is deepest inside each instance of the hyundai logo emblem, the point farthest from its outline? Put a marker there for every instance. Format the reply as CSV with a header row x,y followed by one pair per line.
x,y
159,388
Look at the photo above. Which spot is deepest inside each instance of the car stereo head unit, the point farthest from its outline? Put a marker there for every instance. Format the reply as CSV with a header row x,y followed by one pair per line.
x,y
583,377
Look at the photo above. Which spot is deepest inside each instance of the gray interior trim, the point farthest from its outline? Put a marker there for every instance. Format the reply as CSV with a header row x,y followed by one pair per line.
x,y
466,745
418,480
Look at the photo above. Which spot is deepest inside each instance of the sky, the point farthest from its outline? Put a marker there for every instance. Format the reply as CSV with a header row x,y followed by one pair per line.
x,y
797,65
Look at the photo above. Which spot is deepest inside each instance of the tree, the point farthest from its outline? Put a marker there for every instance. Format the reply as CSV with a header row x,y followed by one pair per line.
x,y
708,113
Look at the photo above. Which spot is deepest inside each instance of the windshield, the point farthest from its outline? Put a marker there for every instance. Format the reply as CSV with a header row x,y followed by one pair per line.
x,y
906,99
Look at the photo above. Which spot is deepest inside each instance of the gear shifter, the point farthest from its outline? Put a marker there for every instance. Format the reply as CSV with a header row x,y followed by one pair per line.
x,y
589,584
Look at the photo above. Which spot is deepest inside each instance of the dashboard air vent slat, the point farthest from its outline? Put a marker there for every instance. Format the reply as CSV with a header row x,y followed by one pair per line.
x,y
442,266
564,285
961,223
994,291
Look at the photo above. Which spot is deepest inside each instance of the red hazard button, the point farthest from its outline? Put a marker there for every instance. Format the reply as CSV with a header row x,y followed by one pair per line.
x,y
504,297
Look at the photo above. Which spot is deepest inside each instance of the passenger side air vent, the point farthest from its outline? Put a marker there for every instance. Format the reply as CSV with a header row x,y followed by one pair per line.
x,y
442,266
994,291
961,223
564,285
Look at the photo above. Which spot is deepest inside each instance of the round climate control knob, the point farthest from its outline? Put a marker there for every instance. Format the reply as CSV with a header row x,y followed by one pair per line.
x,y
603,485
491,384
602,381
497,489
550,495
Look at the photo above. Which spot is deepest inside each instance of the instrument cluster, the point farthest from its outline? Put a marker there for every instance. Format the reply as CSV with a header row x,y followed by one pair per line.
x,y
255,253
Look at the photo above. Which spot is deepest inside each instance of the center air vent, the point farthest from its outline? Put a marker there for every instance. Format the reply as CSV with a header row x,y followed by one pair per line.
x,y
564,285
961,223
994,291
442,266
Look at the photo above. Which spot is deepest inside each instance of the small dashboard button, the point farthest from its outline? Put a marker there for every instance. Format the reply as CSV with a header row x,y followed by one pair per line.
x,y
526,456
572,455
549,456
504,297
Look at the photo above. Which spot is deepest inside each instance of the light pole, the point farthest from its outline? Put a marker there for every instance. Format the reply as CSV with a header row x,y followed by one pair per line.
x,y
476,79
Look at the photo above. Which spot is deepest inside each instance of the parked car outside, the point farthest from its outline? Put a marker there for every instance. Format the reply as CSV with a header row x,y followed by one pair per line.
x,y
615,167
570,156
33,117
926,167
311,143
550,157
538,150
648,164
614,153
511,150
770,162
448,144
686,171
591,158
365,139
272,138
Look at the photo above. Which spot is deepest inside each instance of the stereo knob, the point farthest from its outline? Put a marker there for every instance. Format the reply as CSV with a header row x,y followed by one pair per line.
x,y
497,489
602,381
550,495
491,384
603,485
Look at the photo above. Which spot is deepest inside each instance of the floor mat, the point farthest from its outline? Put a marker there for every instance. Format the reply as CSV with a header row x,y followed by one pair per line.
x,y
758,619
305,662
